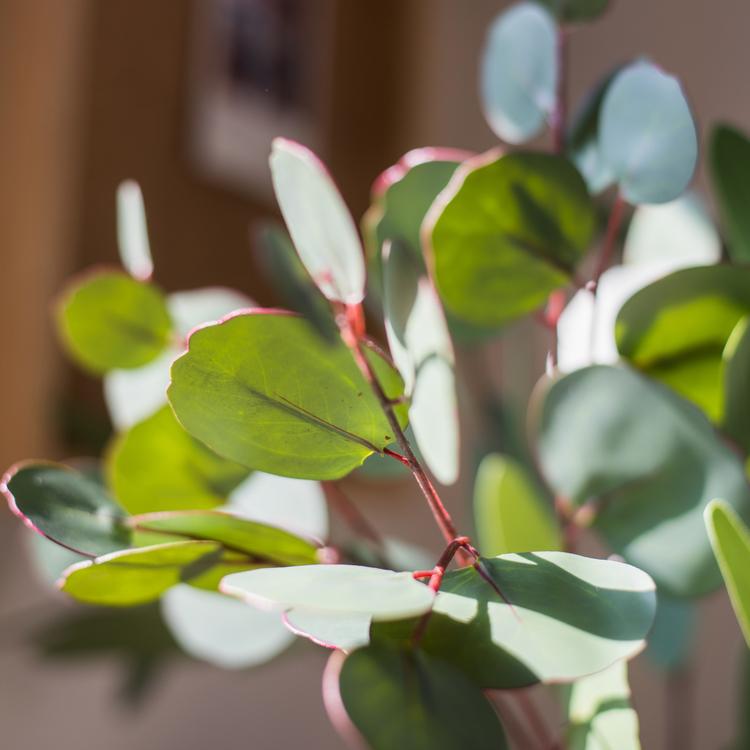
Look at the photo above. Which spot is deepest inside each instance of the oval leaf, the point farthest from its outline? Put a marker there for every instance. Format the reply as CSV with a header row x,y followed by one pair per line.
x,y
648,465
157,466
319,222
400,697
510,513
647,135
123,579
220,630
263,390
730,540
66,507
332,589
109,320
519,72
499,633
506,232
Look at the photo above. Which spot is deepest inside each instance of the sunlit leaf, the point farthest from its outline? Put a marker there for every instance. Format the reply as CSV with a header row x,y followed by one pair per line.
x,y
510,512
220,630
402,697
730,540
730,162
506,232
137,576
66,506
519,72
319,222
132,232
263,390
545,616
647,135
343,631
647,464
423,352
600,714
109,320
157,466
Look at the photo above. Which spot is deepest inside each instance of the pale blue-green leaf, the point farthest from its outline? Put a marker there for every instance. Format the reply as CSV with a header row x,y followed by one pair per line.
x,y
344,631
671,639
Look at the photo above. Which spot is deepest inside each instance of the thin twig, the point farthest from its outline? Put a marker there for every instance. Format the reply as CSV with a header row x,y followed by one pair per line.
x,y
559,113
610,236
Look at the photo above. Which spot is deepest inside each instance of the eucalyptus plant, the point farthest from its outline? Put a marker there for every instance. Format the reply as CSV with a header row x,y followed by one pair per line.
x,y
235,423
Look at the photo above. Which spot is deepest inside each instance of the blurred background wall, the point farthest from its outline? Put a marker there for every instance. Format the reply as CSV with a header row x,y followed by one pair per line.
x,y
95,91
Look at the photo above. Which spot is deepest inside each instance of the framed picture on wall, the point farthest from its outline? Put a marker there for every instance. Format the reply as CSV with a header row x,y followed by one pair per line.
x,y
258,69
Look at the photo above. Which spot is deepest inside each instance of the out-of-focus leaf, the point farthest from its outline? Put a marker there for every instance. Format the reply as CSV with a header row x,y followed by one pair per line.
x,y
575,10
671,638
595,612
137,576
676,330
729,157
220,630
600,714
423,352
402,697
263,390
318,221
109,320
64,505
49,558
157,466
647,135
730,540
649,463
506,232
736,371
510,513
132,232
519,72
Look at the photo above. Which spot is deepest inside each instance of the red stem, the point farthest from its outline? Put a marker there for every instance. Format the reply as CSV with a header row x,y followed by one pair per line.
x,y
559,113
613,227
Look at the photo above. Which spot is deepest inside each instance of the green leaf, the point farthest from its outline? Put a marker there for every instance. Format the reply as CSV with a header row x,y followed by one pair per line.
x,y
220,630
332,589
66,507
132,232
134,395
729,158
518,76
510,513
545,616
345,632
401,697
736,361
675,330
49,558
109,320
292,282
319,222
137,576
263,390
239,535
575,10
600,714
647,463
647,135
506,232
730,540
157,466
671,639
423,352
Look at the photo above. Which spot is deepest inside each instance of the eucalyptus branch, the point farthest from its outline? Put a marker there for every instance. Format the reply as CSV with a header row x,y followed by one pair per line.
x,y
614,222
559,113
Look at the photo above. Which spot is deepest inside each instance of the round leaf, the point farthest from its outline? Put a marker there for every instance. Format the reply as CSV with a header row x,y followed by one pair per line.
x,y
647,135
510,513
263,390
519,72
400,697
66,507
649,463
547,616
109,320
332,589
319,222
123,579
220,630
506,232
157,466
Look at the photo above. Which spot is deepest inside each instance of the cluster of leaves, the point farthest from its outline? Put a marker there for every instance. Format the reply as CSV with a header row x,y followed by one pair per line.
x,y
235,422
